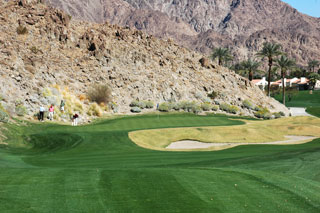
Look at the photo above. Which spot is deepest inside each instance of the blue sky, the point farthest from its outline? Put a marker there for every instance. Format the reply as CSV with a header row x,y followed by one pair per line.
x,y
310,7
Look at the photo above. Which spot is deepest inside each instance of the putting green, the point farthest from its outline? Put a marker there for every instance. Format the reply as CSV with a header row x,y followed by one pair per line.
x,y
97,168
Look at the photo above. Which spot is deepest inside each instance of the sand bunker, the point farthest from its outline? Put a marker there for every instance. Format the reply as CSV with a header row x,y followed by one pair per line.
x,y
188,144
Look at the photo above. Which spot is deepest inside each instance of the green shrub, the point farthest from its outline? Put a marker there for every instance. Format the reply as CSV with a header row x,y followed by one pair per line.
x,y
100,93
4,117
247,104
135,110
21,110
206,107
22,30
282,113
164,107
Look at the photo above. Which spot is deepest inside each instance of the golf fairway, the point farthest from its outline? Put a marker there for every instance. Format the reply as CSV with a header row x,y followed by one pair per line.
x,y
97,168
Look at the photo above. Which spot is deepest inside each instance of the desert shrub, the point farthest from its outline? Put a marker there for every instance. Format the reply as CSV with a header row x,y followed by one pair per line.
x,y
213,95
4,117
22,30
247,104
224,107
164,107
176,106
149,104
78,106
215,107
206,106
142,104
135,110
258,108
282,113
100,93
263,113
21,110
206,100
233,109
277,115
196,109
34,50
82,97
188,106
94,110
134,103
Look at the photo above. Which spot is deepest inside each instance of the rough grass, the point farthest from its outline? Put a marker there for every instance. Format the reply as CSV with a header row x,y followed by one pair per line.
x,y
96,168
252,132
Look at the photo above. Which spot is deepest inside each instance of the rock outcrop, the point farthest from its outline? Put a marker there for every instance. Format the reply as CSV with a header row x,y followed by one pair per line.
x,y
41,47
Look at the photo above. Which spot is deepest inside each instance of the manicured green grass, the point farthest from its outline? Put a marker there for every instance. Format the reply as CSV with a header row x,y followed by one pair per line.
x,y
302,99
96,168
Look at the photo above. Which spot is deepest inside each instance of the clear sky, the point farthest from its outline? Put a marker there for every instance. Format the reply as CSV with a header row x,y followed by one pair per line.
x,y
310,7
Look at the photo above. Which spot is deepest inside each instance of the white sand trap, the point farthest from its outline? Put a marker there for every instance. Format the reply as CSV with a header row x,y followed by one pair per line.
x,y
188,144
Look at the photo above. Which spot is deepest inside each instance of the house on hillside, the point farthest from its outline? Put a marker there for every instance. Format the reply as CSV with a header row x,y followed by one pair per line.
x,y
317,86
261,83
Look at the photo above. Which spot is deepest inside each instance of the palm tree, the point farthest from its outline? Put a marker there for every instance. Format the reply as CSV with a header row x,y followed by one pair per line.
x,y
313,64
284,64
270,50
223,55
250,66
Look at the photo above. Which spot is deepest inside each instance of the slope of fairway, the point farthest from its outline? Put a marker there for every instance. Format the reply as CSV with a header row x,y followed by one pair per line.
x,y
97,168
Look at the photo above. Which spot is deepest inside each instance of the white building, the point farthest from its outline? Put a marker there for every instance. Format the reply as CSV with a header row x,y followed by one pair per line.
x,y
262,83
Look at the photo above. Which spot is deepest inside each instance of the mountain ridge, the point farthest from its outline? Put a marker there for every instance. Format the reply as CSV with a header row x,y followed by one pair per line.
x,y
241,25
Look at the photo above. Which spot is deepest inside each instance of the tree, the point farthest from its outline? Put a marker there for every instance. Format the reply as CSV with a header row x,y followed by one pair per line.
x,y
250,66
284,64
223,55
270,51
313,78
313,64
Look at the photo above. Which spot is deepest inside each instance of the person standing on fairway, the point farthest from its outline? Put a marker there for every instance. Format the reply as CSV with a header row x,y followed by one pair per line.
x,y
41,114
51,112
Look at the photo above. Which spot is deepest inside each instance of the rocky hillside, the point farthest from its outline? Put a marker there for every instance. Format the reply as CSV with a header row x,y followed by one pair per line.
x,y
241,25
45,56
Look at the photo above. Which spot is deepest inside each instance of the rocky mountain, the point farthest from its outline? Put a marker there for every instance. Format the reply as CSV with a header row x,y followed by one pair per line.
x,y
241,25
42,50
